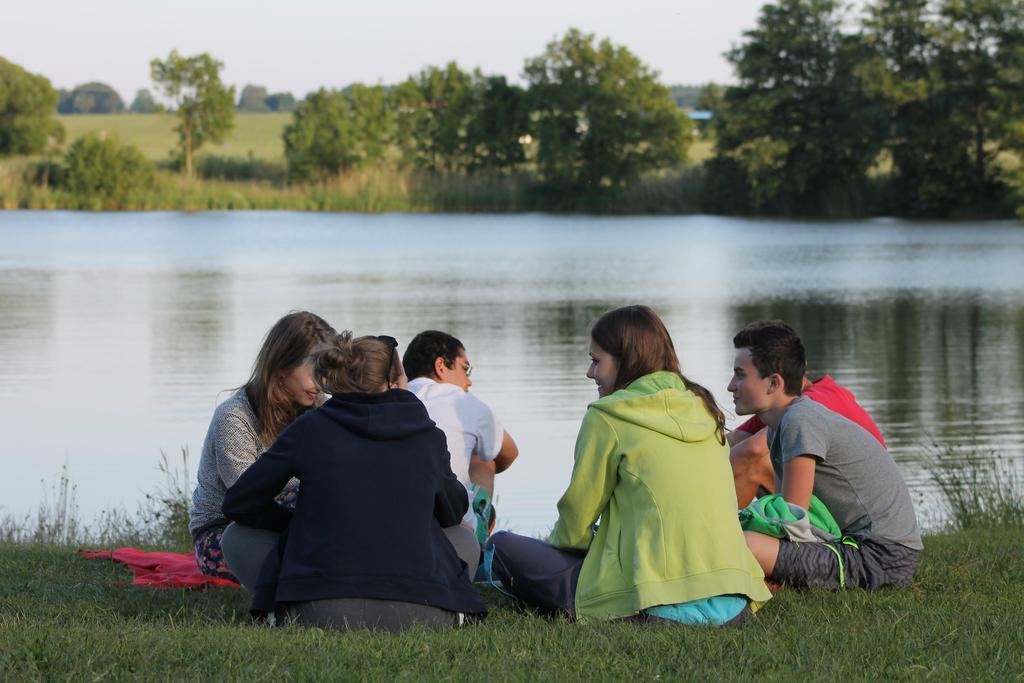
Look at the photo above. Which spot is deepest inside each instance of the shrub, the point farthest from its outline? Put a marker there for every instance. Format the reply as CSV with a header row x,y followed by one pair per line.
x,y
981,488
161,520
100,172
26,106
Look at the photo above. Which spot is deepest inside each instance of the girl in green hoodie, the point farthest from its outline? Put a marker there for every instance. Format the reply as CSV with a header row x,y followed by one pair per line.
x,y
647,528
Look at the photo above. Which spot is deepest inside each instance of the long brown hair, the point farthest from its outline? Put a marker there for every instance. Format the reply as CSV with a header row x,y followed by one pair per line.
x,y
287,345
360,365
639,340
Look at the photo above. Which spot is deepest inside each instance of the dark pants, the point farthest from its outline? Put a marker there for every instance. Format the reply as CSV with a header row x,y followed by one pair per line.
x,y
384,615
544,577
539,575
248,550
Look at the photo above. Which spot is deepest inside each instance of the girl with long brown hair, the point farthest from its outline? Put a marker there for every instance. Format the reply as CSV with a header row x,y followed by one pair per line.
x,y
375,540
279,389
652,473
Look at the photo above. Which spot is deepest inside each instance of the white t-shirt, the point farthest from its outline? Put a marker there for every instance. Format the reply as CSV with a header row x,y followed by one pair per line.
x,y
467,422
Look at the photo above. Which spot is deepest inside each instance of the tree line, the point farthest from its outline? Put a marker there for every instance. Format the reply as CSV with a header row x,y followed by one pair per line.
x,y
916,107
931,89
99,98
593,118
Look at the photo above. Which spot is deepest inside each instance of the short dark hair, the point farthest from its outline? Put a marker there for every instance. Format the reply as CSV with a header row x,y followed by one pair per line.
x,y
425,348
775,348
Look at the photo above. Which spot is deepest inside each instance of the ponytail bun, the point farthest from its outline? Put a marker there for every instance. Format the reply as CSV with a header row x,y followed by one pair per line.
x,y
347,365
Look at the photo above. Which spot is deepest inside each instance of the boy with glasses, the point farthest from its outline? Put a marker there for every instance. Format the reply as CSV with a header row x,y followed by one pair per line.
x,y
439,374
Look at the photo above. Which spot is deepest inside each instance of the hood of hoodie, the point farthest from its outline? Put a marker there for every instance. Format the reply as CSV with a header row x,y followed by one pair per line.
x,y
662,403
389,415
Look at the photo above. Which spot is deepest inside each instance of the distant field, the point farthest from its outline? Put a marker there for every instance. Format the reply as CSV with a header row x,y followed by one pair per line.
x,y
259,133
154,133
700,151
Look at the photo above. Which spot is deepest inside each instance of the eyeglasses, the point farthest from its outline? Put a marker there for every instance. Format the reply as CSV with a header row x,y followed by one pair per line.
x,y
392,344
467,368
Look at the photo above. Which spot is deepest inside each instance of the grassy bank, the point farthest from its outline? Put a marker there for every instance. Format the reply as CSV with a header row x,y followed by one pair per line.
x,y
61,617
373,190
248,171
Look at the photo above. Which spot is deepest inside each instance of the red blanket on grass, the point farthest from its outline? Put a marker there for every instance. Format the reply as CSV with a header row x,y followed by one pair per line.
x,y
160,569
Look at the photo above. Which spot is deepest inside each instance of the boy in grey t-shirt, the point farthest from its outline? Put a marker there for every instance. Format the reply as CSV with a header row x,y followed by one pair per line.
x,y
817,451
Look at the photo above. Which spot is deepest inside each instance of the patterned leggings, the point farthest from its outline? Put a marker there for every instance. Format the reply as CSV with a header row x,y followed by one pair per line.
x,y
210,557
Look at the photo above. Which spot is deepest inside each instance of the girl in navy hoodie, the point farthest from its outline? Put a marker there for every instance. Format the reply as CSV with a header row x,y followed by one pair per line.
x,y
367,544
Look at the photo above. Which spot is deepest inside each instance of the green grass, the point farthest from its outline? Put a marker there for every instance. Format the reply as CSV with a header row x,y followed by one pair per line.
x,y
61,618
258,134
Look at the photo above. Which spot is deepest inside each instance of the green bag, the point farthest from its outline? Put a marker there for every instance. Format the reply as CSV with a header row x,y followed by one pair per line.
x,y
773,516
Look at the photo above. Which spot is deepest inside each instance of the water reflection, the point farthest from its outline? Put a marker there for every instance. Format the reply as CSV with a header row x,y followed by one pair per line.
x,y
26,326
190,324
119,333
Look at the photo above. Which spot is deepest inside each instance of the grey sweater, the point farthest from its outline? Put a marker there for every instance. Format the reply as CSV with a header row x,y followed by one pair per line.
x,y
232,444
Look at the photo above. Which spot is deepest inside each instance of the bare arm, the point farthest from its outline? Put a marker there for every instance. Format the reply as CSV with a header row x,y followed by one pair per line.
x,y
751,449
507,454
738,436
798,480
752,467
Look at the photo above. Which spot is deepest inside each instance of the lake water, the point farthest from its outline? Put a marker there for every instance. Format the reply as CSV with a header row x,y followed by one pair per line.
x,y
119,333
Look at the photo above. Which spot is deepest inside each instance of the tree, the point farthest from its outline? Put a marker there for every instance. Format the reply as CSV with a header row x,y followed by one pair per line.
x,y
456,121
951,76
373,121
144,103
332,132
281,101
254,99
980,60
685,96
799,131
711,99
600,115
205,108
27,103
498,125
434,111
927,162
90,98
101,172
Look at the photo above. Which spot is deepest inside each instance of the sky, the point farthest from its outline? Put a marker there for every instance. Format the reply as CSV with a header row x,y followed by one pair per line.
x,y
301,45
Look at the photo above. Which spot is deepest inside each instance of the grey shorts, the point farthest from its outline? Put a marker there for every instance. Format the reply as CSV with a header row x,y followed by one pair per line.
x,y
836,565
